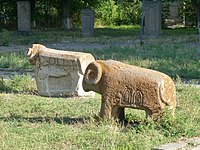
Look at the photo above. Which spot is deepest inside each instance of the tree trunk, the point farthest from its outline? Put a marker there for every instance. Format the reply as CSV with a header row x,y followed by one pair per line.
x,y
33,17
66,15
197,8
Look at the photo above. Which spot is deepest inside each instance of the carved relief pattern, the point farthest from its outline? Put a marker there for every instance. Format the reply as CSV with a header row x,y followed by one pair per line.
x,y
71,65
129,98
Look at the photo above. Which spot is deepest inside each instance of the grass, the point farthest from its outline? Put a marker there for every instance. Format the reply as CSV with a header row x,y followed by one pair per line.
x,y
15,60
101,35
174,53
174,59
46,36
18,84
29,121
34,122
4,41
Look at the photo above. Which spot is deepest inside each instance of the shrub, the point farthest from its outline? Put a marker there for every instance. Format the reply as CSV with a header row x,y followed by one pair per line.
x,y
18,84
112,13
14,60
4,41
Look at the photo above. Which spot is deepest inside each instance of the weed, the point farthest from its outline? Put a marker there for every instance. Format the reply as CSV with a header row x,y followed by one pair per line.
x,y
18,84
14,60
5,37
2,86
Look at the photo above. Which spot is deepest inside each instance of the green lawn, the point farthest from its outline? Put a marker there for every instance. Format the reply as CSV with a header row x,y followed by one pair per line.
x,y
34,122
174,59
29,121
101,35
174,53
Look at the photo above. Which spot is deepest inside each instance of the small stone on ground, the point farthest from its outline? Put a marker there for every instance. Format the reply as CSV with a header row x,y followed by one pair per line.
x,y
190,144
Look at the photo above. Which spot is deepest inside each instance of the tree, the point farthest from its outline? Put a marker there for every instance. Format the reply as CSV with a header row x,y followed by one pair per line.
x,y
8,13
196,4
66,14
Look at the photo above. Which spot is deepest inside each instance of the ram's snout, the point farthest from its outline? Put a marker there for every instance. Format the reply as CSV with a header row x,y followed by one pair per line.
x,y
93,73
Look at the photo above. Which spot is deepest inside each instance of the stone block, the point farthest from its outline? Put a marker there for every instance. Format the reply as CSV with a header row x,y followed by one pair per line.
x,y
181,145
59,73
152,26
87,20
24,16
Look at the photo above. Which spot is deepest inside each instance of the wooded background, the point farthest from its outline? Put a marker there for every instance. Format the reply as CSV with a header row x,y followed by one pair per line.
x,y
51,13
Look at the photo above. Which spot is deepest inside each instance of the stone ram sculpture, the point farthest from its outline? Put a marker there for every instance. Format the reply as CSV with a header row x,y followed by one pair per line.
x,y
122,85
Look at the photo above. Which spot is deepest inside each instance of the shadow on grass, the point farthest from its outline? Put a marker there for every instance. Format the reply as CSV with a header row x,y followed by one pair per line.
x,y
59,120
117,32
67,120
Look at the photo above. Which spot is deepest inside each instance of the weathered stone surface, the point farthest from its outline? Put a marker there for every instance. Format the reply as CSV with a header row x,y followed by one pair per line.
x,y
87,19
173,18
24,16
172,146
122,85
152,18
190,144
59,73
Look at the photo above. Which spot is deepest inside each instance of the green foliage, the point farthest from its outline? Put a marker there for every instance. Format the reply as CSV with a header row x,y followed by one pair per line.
x,y
113,13
18,84
14,60
48,13
195,2
107,11
5,37
34,122
165,11
2,86
8,14
187,11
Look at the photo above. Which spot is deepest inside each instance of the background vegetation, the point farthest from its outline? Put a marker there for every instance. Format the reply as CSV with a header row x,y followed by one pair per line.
x,y
48,13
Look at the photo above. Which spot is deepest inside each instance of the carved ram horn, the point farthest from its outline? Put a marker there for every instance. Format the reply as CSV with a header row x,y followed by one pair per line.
x,y
93,73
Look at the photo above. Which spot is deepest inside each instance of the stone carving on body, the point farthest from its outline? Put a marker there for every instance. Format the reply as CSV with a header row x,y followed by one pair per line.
x,y
122,85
